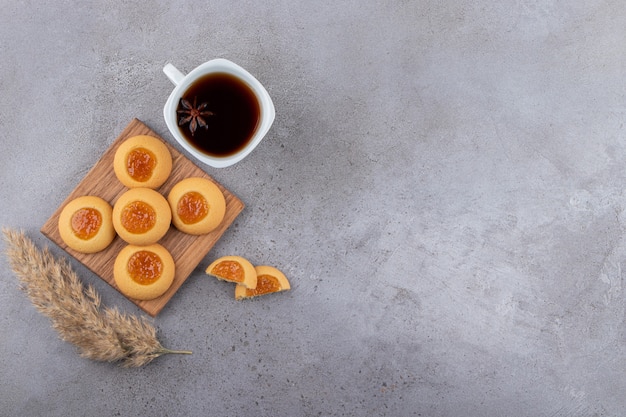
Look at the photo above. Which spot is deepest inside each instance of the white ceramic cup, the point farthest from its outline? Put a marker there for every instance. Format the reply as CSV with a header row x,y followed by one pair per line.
x,y
183,82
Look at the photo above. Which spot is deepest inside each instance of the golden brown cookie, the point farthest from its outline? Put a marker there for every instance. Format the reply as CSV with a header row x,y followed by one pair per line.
x,y
85,224
144,272
269,280
142,161
141,216
197,204
234,269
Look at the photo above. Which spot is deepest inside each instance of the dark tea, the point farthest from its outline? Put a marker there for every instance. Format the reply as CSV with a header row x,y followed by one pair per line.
x,y
218,114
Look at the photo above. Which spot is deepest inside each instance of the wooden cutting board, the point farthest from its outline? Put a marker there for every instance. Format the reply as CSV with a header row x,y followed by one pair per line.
x,y
187,250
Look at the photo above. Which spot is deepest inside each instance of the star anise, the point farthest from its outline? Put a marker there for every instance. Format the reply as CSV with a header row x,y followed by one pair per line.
x,y
193,114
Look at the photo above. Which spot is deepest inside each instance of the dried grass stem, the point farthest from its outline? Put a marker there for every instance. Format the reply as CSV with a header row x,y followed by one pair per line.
x,y
99,333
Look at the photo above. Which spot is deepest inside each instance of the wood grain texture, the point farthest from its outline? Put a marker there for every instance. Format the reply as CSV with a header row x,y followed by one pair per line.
x,y
187,250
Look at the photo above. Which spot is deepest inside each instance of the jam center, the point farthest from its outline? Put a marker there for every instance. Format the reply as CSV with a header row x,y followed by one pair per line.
x,y
145,267
229,269
265,284
86,222
138,217
192,207
140,164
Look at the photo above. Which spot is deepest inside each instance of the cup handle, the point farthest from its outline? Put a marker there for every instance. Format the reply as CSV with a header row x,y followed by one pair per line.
x,y
175,76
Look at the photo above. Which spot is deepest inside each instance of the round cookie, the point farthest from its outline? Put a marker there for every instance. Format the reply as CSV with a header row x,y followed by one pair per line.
x,y
85,224
197,204
142,161
144,272
141,216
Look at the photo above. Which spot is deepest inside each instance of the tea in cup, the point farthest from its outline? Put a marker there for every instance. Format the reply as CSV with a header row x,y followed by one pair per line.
x,y
218,112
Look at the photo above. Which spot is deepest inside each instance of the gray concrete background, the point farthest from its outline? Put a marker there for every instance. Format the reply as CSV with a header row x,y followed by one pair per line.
x,y
443,185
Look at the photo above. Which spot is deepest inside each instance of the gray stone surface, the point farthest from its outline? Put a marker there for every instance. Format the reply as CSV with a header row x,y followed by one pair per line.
x,y
443,185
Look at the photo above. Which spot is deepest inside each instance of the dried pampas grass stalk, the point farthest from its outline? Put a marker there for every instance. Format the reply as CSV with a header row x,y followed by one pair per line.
x,y
99,333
